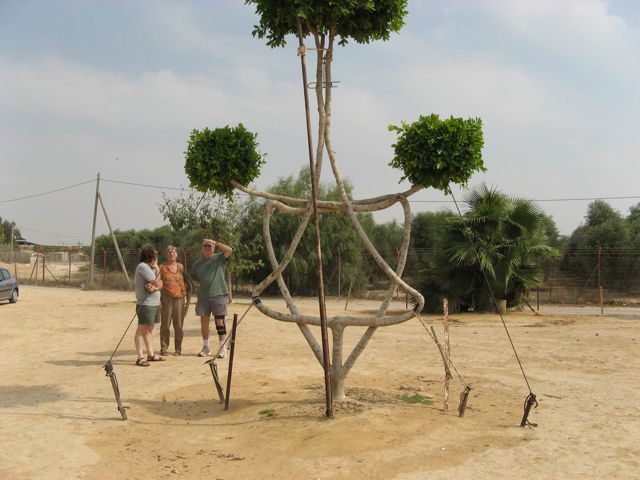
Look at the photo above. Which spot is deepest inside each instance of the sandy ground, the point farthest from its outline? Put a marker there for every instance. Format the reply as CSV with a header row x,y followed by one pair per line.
x,y
58,416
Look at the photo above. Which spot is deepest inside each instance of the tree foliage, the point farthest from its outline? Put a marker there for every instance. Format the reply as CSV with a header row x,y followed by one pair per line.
x,y
216,157
433,152
605,229
361,20
6,227
194,217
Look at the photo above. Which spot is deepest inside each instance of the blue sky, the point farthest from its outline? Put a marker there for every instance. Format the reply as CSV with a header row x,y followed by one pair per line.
x,y
116,87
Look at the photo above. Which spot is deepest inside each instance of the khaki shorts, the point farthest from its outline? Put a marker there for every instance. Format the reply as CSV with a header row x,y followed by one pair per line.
x,y
216,306
148,315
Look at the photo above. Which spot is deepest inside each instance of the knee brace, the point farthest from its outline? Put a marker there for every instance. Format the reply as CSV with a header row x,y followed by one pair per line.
x,y
221,326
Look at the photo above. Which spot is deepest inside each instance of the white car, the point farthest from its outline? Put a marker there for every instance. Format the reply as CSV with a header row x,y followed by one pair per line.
x,y
9,288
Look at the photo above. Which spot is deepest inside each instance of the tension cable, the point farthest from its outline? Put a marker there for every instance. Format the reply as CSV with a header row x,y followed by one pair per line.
x,y
530,401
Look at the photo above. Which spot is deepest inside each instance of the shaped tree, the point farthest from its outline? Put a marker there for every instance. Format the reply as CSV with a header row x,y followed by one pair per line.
x,y
431,153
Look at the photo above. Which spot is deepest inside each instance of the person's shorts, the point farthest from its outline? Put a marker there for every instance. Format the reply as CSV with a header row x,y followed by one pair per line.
x,y
148,315
216,306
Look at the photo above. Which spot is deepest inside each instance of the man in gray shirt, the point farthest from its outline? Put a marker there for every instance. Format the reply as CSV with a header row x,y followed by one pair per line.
x,y
212,293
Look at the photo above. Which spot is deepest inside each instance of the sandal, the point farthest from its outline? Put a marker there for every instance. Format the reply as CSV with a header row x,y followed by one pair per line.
x,y
141,362
155,358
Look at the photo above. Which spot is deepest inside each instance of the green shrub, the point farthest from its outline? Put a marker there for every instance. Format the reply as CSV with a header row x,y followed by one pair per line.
x,y
433,152
215,157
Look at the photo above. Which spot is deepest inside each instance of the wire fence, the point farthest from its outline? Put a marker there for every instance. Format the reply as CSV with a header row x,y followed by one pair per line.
x,y
582,277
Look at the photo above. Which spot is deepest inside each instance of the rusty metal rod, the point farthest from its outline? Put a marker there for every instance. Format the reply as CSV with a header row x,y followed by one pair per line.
x,y
231,352
314,201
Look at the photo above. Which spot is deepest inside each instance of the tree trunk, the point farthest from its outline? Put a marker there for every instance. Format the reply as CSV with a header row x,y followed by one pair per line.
x,y
337,385
502,306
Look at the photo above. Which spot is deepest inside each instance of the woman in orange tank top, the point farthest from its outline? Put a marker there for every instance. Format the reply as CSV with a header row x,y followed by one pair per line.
x,y
173,293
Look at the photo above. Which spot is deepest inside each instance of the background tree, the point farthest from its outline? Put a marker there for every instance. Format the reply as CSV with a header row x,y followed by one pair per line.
x,y
336,236
6,227
499,238
604,230
194,217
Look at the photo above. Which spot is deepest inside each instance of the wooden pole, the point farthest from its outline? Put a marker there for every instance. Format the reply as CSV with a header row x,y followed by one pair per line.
x,y
35,269
447,350
339,272
69,282
600,283
314,201
13,228
397,263
93,229
43,268
104,264
115,242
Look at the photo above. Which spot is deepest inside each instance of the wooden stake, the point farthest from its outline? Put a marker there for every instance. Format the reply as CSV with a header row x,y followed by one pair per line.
x,y
447,350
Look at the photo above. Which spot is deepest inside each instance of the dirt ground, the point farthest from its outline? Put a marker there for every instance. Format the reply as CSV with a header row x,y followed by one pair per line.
x,y
58,416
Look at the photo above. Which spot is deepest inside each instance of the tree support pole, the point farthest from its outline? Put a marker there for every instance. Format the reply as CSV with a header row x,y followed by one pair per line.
x,y
231,354
115,242
314,200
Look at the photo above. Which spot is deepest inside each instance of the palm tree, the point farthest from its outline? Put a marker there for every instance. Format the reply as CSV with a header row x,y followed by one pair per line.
x,y
495,247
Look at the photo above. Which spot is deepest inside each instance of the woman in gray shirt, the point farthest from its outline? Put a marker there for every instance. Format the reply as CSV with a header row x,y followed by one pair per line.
x,y
148,286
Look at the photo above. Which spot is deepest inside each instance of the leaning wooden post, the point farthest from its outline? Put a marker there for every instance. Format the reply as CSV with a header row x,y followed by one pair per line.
x,y
348,294
447,350
115,242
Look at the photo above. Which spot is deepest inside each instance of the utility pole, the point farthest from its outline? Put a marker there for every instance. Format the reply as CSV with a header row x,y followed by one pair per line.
x,y
93,230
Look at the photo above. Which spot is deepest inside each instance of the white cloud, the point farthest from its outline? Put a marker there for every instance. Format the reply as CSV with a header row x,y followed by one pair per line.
x,y
583,29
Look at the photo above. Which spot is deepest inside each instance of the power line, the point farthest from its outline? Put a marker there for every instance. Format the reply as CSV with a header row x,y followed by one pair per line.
x,y
585,199
183,189
146,185
46,193
49,233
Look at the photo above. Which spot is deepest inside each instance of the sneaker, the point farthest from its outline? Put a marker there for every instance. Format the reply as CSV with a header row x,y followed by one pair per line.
x,y
222,353
205,352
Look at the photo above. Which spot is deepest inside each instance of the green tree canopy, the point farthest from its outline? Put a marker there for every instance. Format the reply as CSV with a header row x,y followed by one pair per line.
x,y
216,158
433,152
361,20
